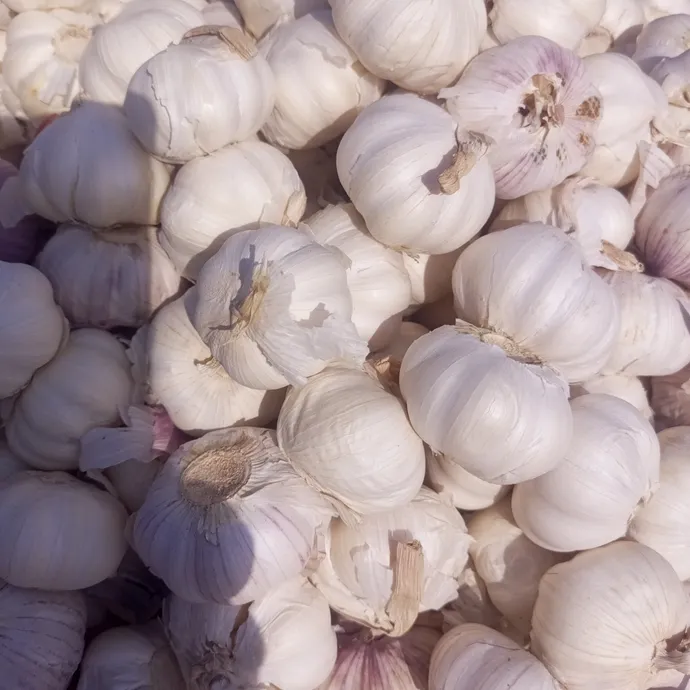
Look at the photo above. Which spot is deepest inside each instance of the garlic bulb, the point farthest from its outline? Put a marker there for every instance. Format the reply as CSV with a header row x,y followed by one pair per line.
x,y
132,480
29,5
618,612
130,658
419,51
664,37
408,332
377,279
420,183
537,102
222,13
228,94
249,521
531,284
274,307
107,279
32,326
121,46
387,568
261,16
654,337
451,379
340,464
618,28
58,532
472,604
628,388
284,639
672,75
200,211
316,168
671,399
435,314
430,275
10,464
87,166
86,385
653,9
43,639
193,387
474,657
311,112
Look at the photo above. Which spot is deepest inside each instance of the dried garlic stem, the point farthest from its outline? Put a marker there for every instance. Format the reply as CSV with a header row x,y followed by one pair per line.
x,y
472,146
387,373
236,39
408,585
507,344
625,261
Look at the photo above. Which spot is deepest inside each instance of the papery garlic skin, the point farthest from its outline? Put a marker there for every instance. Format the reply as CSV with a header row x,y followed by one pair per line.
x,y
558,111
201,210
430,275
408,332
406,200
672,123
261,16
10,464
32,326
38,550
44,637
196,391
654,9
108,279
617,30
316,168
265,651
257,512
274,308
663,37
450,380
671,399
131,480
86,385
628,388
222,13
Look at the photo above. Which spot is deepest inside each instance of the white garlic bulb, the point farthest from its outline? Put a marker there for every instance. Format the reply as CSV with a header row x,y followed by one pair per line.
x,y
472,604
282,640
233,495
311,112
628,388
430,275
222,13
672,75
58,532
537,102
653,9
43,639
663,37
87,166
617,612
193,387
408,332
316,168
420,183
86,385
20,6
107,279
532,284
32,326
671,399
274,307
451,379
617,29
340,464
227,95
200,211
378,281
260,16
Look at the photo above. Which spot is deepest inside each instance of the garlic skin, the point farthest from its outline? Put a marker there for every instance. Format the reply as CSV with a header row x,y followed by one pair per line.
x,y
316,168
274,308
654,9
228,95
623,603
530,425
87,166
628,388
311,112
234,496
261,16
432,201
222,13
83,387
408,332
81,548
663,37
558,111
10,464
200,211
430,275
670,399
32,326
132,480
255,645
617,30
475,657
20,6
672,122
196,391
130,658
532,284
377,279
44,637
108,279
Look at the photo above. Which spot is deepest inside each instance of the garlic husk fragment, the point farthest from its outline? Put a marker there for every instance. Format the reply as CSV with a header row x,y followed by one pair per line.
x,y
673,124
532,284
44,637
670,399
261,16
430,275
107,279
200,211
234,496
86,385
617,612
401,341
274,307
628,388
196,391
58,532
32,326
389,567
664,37
558,111
377,279
222,13
130,658
421,184
311,112
283,639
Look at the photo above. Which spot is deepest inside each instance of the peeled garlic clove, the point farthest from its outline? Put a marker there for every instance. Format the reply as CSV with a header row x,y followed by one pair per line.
x,y
628,388
233,495
430,275
255,645
664,37
671,399
259,17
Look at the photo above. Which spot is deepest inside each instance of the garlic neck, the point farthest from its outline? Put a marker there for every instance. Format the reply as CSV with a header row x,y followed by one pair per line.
x,y
507,344
674,653
402,608
70,42
540,107
625,261
247,302
472,147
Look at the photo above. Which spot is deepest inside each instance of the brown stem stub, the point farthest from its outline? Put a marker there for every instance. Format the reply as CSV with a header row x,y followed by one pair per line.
x,y
507,344
236,39
408,586
625,261
472,146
